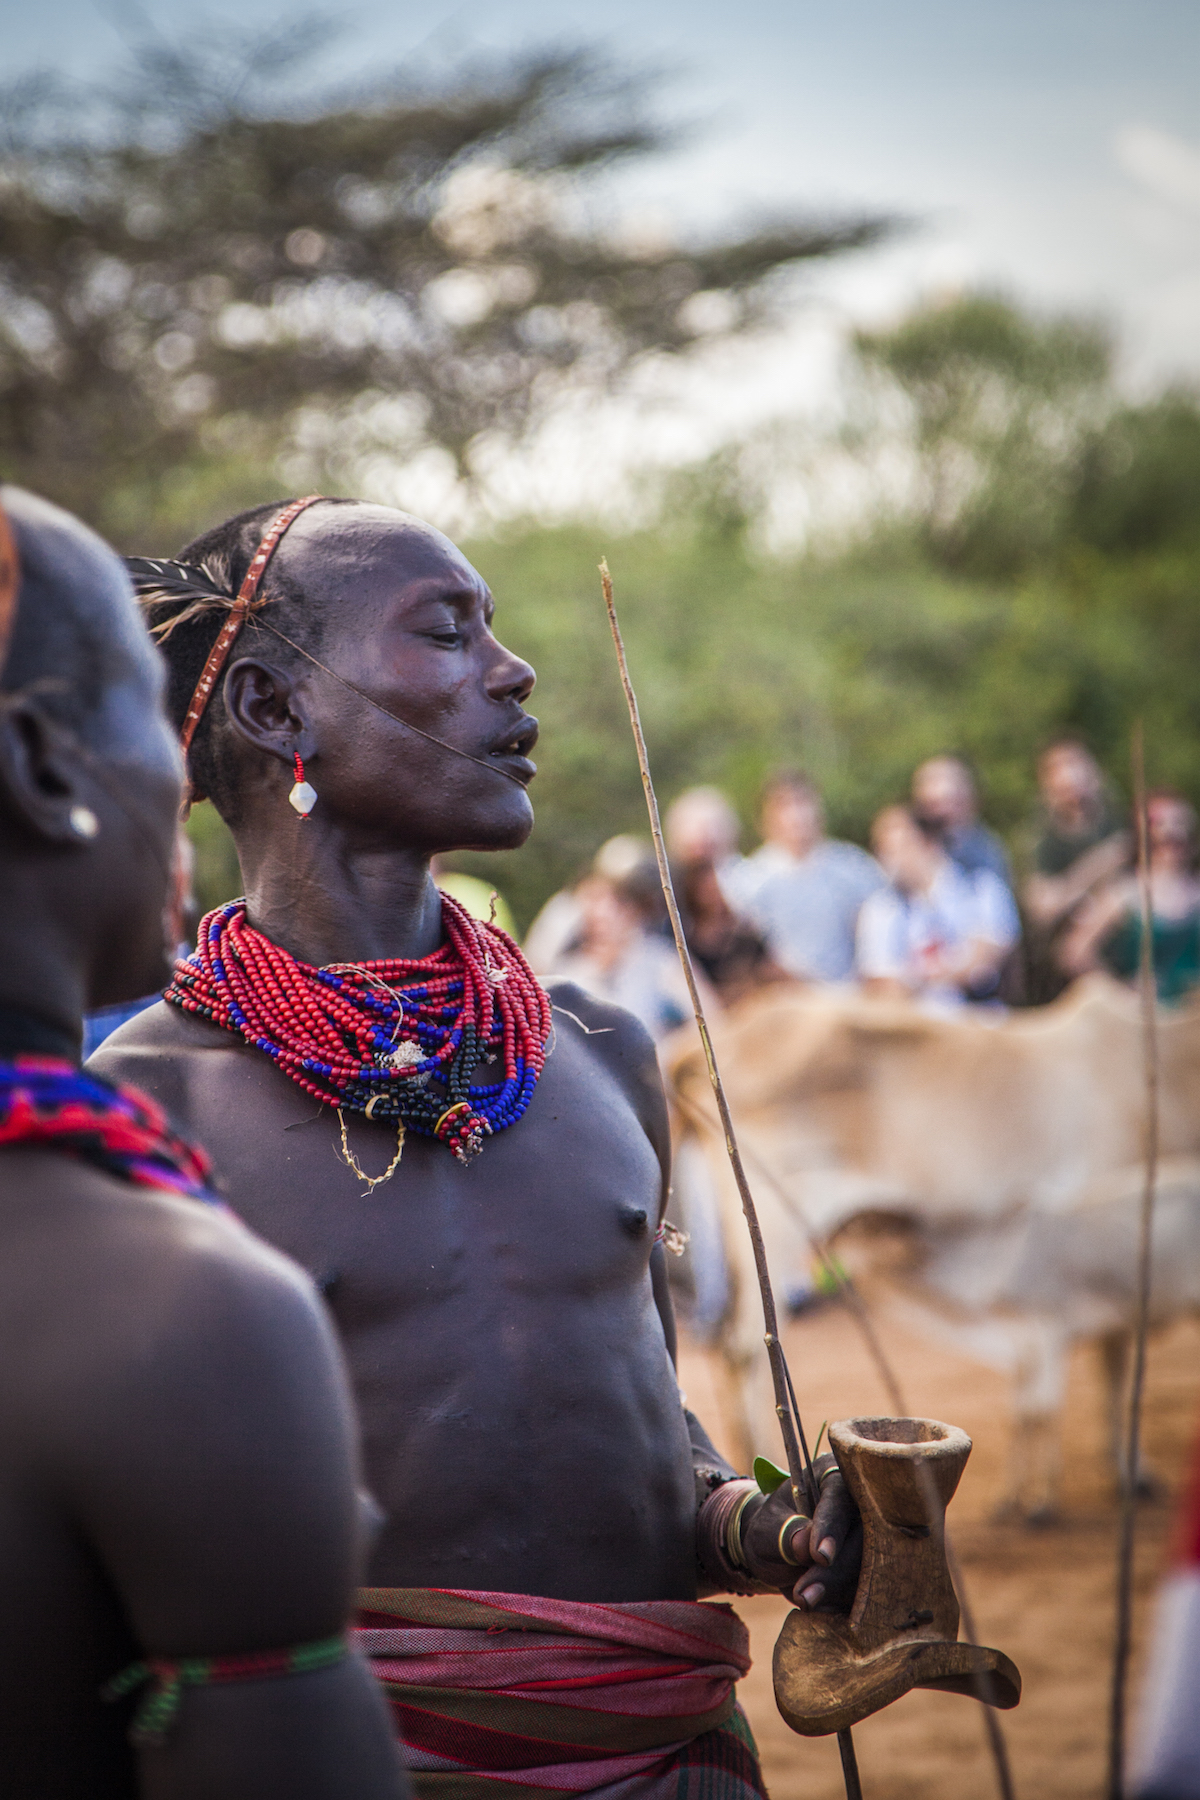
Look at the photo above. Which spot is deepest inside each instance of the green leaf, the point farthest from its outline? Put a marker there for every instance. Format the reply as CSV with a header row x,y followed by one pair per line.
x,y
767,1475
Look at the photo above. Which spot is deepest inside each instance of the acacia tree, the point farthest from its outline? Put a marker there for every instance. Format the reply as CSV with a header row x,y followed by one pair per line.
x,y
193,268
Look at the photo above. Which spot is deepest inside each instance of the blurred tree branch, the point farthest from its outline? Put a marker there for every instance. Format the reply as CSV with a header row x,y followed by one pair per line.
x,y
191,262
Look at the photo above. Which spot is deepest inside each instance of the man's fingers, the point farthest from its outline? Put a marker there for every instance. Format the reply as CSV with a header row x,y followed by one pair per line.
x,y
835,1514
835,1586
798,1545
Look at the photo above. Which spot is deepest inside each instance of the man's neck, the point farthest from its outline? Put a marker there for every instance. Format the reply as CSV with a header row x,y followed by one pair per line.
x,y
41,983
1074,820
327,903
922,886
24,1032
796,853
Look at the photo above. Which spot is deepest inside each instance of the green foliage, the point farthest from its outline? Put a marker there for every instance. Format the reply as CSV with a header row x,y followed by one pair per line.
x,y
1138,485
217,877
1063,594
202,274
859,667
1000,403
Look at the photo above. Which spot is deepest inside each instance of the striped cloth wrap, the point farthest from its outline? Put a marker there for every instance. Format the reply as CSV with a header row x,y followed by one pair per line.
x,y
511,1697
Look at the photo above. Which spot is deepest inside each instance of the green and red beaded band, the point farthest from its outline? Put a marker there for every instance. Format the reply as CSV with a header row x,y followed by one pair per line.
x,y
160,1707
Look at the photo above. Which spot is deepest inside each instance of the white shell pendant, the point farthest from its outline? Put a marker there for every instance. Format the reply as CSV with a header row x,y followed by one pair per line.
x,y
303,797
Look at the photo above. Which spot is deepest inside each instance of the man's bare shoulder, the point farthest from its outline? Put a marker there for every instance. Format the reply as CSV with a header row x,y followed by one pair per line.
x,y
187,1261
158,1031
600,1019
155,1051
621,1042
183,1387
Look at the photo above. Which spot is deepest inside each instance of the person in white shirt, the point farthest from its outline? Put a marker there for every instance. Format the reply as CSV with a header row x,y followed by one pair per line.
x,y
558,929
701,827
619,958
802,889
937,933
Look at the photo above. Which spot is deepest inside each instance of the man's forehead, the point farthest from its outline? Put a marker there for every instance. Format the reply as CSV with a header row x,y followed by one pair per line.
x,y
381,552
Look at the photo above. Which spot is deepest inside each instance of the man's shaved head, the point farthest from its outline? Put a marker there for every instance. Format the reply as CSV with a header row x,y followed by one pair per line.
x,y
76,634
89,777
299,607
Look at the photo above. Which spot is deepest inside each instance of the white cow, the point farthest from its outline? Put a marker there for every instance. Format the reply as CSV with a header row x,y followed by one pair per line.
x,y
1009,1151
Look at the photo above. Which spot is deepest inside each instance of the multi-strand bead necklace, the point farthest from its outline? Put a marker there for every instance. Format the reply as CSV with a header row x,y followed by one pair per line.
x,y
49,1102
400,1039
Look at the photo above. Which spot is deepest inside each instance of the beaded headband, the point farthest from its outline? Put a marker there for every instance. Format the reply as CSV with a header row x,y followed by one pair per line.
x,y
239,612
10,582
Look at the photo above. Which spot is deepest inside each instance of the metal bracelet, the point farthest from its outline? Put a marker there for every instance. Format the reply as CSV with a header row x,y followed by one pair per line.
x,y
733,1531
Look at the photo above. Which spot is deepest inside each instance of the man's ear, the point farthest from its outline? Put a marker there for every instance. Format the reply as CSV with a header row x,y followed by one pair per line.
x,y
44,784
260,703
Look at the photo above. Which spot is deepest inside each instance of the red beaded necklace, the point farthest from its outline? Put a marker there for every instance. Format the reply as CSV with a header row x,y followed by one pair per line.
x,y
399,1039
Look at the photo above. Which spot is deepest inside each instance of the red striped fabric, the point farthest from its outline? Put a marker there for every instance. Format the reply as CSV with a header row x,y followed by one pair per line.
x,y
510,1694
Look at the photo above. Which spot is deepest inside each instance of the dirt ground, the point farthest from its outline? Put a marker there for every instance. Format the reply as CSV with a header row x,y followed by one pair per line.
x,y
1044,1597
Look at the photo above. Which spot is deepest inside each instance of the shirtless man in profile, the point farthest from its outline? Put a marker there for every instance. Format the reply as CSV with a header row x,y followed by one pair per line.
x,y
500,1292
177,1471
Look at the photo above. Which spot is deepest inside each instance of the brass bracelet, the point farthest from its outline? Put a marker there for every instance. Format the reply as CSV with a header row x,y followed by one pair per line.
x,y
733,1532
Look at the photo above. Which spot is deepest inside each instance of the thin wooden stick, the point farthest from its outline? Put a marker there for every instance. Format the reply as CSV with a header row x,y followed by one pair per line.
x,y
849,1766
801,1475
993,1730
1125,1544
803,1478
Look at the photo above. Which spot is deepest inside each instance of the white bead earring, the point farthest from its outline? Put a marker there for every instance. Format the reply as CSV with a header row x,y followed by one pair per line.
x,y
303,796
84,822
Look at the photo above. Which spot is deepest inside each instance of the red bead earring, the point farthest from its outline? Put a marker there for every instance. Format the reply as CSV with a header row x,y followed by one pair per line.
x,y
303,795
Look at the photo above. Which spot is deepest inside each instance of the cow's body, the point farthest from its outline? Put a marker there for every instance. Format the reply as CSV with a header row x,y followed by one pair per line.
x,y
1010,1149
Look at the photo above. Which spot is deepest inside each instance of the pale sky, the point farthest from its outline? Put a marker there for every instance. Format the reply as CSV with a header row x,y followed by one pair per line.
x,y
1050,148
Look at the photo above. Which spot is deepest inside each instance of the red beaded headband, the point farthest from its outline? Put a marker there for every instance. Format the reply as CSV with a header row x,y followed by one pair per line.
x,y
239,612
10,582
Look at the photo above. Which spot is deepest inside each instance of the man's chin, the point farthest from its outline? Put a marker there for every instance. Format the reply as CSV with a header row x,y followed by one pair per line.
x,y
507,833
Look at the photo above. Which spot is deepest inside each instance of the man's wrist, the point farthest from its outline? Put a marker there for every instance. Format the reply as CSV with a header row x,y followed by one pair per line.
x,y
719,1550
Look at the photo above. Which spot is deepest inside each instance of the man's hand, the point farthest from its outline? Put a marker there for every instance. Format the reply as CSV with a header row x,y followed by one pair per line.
x,y
813,1561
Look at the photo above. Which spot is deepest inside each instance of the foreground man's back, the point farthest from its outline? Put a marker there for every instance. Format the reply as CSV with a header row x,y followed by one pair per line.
x,y
177,1455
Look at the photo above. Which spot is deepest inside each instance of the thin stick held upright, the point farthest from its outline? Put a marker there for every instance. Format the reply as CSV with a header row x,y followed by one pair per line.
x,y
803,1480
861,1315
1133,1432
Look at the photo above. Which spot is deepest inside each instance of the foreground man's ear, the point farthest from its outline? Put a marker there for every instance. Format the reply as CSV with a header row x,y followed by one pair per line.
x,y
45,788
260,705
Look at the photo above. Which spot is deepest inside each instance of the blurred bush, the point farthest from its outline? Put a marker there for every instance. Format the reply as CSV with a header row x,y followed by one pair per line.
x,y
1060,591
1043,576
216,290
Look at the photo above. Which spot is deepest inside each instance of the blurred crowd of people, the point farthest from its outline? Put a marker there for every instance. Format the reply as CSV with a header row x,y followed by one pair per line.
x,y
931,913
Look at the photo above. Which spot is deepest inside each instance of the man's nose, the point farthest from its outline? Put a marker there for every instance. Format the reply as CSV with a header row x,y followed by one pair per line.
x,y
510,677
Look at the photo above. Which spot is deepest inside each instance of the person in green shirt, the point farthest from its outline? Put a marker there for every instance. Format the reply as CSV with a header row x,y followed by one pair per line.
x,y
1107,931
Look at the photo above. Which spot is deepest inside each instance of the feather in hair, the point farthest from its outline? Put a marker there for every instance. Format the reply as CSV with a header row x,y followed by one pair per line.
x,y
187,586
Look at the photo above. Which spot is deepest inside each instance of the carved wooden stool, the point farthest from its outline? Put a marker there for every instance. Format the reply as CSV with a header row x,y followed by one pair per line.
x,y
831,1670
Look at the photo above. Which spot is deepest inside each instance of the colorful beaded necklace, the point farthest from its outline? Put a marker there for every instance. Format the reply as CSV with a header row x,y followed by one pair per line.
x,y
399,1039
46,1100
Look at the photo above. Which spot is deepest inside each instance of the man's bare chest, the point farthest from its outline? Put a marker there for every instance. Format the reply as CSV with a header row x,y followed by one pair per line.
x,y
565,1200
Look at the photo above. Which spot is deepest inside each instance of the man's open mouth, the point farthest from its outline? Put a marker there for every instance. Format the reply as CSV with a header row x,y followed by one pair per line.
x,y
513,750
